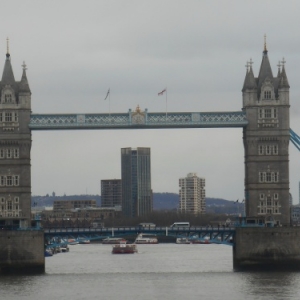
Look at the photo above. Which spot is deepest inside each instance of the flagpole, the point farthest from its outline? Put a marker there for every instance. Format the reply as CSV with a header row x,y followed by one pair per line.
x,y
108,95
166,103
109,104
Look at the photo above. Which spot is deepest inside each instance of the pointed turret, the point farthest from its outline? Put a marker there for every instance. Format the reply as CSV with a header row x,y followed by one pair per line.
x,y
283,82
23,85
8,74
279,71
249,82
8,77
265,69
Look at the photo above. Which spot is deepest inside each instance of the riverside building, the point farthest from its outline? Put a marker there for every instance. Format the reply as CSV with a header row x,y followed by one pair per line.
x,y
192,194
136,181
111,193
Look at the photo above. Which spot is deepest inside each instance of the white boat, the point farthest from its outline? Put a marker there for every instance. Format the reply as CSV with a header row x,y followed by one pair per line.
x,y
182,240
124,248
64,248
84,241
113,240
73,242
143,238
48,252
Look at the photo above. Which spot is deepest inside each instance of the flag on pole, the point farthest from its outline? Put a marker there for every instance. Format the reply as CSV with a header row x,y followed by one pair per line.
x,y
162,92
107,94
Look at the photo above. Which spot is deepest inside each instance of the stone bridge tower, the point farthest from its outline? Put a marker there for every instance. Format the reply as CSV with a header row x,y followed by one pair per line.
x,y
266,142
15,145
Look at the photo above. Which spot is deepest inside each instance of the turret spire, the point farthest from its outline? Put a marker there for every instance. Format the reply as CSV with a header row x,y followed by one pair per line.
x,y
249,82
7,48
24,66
24,86
265,45
284,83
8,75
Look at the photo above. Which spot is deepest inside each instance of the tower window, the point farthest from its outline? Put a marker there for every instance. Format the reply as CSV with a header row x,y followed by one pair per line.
x,y
268,113
9,153
9,205
16,153
8,117
7,98
269,201
9,180
267,95
16,180
260,149
268,177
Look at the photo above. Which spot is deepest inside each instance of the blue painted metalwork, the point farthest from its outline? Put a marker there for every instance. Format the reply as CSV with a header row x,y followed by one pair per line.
x,y
295,139
216,235
138,120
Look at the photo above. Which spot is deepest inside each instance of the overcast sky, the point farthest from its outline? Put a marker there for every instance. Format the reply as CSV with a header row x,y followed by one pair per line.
x,y
76,50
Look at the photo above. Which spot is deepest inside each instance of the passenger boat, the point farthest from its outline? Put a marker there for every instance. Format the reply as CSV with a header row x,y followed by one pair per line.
x,y
146,239
124,248
84,241
73,242
64,248
48,252
183,240
198,241
113,241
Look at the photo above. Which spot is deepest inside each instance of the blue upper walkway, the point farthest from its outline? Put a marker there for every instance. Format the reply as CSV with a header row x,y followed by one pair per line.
x,y
138,120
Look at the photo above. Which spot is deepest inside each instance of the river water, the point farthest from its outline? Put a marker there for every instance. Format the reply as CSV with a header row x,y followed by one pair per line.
x,y
163,271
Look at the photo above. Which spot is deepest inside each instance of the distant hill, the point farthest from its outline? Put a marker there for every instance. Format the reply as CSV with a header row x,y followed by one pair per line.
x,y
170,201
161,201
165,201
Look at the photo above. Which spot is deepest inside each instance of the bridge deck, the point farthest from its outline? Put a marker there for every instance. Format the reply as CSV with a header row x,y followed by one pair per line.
x,y
222,235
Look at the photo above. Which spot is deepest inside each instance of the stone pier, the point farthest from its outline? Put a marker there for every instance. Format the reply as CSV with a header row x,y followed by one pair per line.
x,y
22,252
274,248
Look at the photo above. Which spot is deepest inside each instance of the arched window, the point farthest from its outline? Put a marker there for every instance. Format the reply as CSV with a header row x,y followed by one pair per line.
x,y
8,98
267,95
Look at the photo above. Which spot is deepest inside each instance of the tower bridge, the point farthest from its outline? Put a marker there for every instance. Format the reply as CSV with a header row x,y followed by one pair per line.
x,y
265,124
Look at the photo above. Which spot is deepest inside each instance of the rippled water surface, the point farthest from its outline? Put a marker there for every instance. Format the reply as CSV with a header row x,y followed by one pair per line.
x,y
163,271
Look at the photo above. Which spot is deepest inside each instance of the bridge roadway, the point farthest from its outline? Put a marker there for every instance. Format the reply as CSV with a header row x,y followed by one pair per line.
x,y
220,235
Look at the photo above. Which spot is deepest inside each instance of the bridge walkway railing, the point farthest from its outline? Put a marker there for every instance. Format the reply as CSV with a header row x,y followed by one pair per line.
x,y
217,234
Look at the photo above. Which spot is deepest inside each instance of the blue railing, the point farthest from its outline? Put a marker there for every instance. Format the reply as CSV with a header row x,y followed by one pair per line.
x,y
216,234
